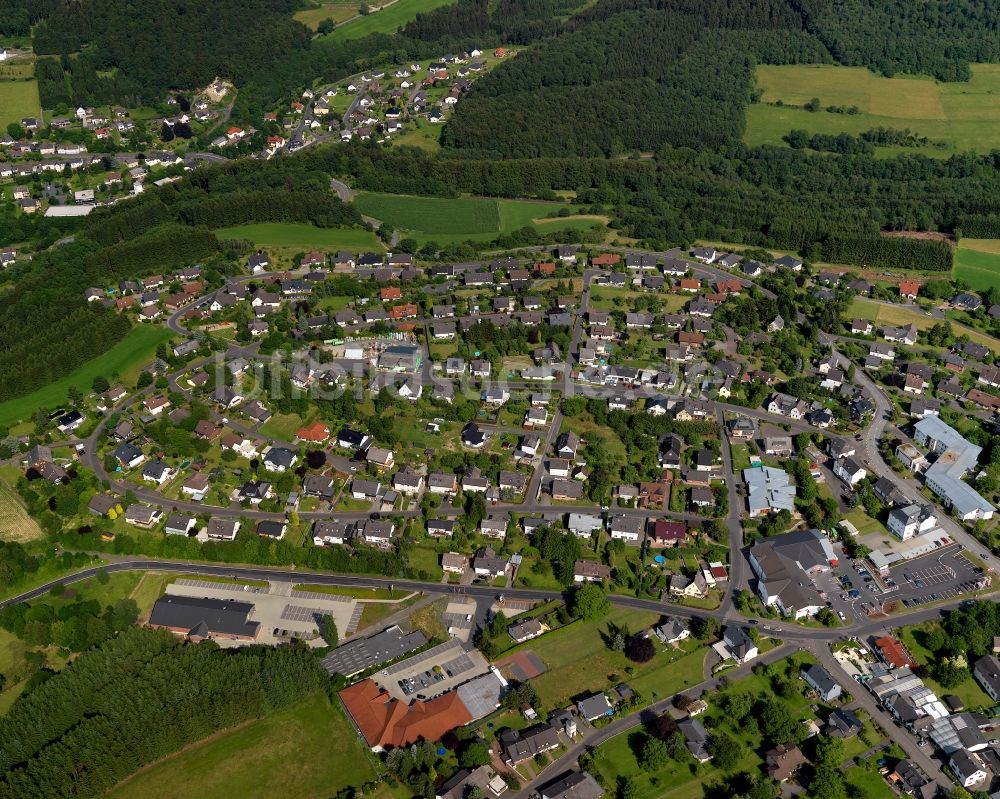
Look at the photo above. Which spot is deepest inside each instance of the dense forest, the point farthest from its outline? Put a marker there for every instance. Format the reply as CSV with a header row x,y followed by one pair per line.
x,y
140,696
134,51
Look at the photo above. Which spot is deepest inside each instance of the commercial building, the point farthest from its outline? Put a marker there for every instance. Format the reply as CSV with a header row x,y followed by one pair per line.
x,y
784,565
956,457
198,618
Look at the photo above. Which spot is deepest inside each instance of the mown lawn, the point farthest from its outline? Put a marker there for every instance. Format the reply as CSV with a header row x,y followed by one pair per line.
x,y
977,261
960,115
18,99
308,751
125,359
579,662
295,234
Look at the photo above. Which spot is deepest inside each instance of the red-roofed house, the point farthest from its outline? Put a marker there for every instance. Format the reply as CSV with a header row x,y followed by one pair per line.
x,y
545,269
607,259
407,311
390,293
386,722
729,286
667,533
317,433
689,284
893,652
908,289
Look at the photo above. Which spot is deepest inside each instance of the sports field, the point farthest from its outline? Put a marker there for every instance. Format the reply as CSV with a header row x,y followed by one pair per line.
x,y
125,359
18,99
978,262
308,751
963,115
295,234
446,220
389,19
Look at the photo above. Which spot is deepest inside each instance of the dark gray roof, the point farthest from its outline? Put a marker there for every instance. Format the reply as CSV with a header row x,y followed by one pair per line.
x,y
223,616
358,655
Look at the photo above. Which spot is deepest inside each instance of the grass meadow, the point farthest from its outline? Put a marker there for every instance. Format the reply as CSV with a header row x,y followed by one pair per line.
x,y
307,751
899,315
978,262
963,116
302,235
448,220
125,359
337,11
18,99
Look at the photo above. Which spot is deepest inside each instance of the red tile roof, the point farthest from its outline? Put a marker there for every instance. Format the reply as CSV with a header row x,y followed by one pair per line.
x,y
909,288
317,432
893,652
387,722
608,259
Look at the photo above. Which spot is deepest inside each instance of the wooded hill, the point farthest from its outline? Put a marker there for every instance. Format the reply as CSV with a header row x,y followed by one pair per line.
x,y
133,52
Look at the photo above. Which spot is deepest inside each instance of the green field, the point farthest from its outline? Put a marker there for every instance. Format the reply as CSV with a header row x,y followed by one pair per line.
x,y
293,234
18,99
338,12
578,661
390,19
306,751
977,261
125,359
447,220
962,115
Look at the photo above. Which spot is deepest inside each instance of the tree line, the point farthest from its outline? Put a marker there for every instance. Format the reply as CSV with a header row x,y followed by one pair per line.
x,y
140,696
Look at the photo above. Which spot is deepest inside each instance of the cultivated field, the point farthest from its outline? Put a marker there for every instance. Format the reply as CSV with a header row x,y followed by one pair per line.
x,y
294,234
388,19
337,11
18,99
125,359
308,751
962,115
978,262
15,523
447,220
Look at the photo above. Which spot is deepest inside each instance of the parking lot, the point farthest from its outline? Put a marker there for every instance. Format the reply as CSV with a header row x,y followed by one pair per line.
x,y
943,575
856,591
